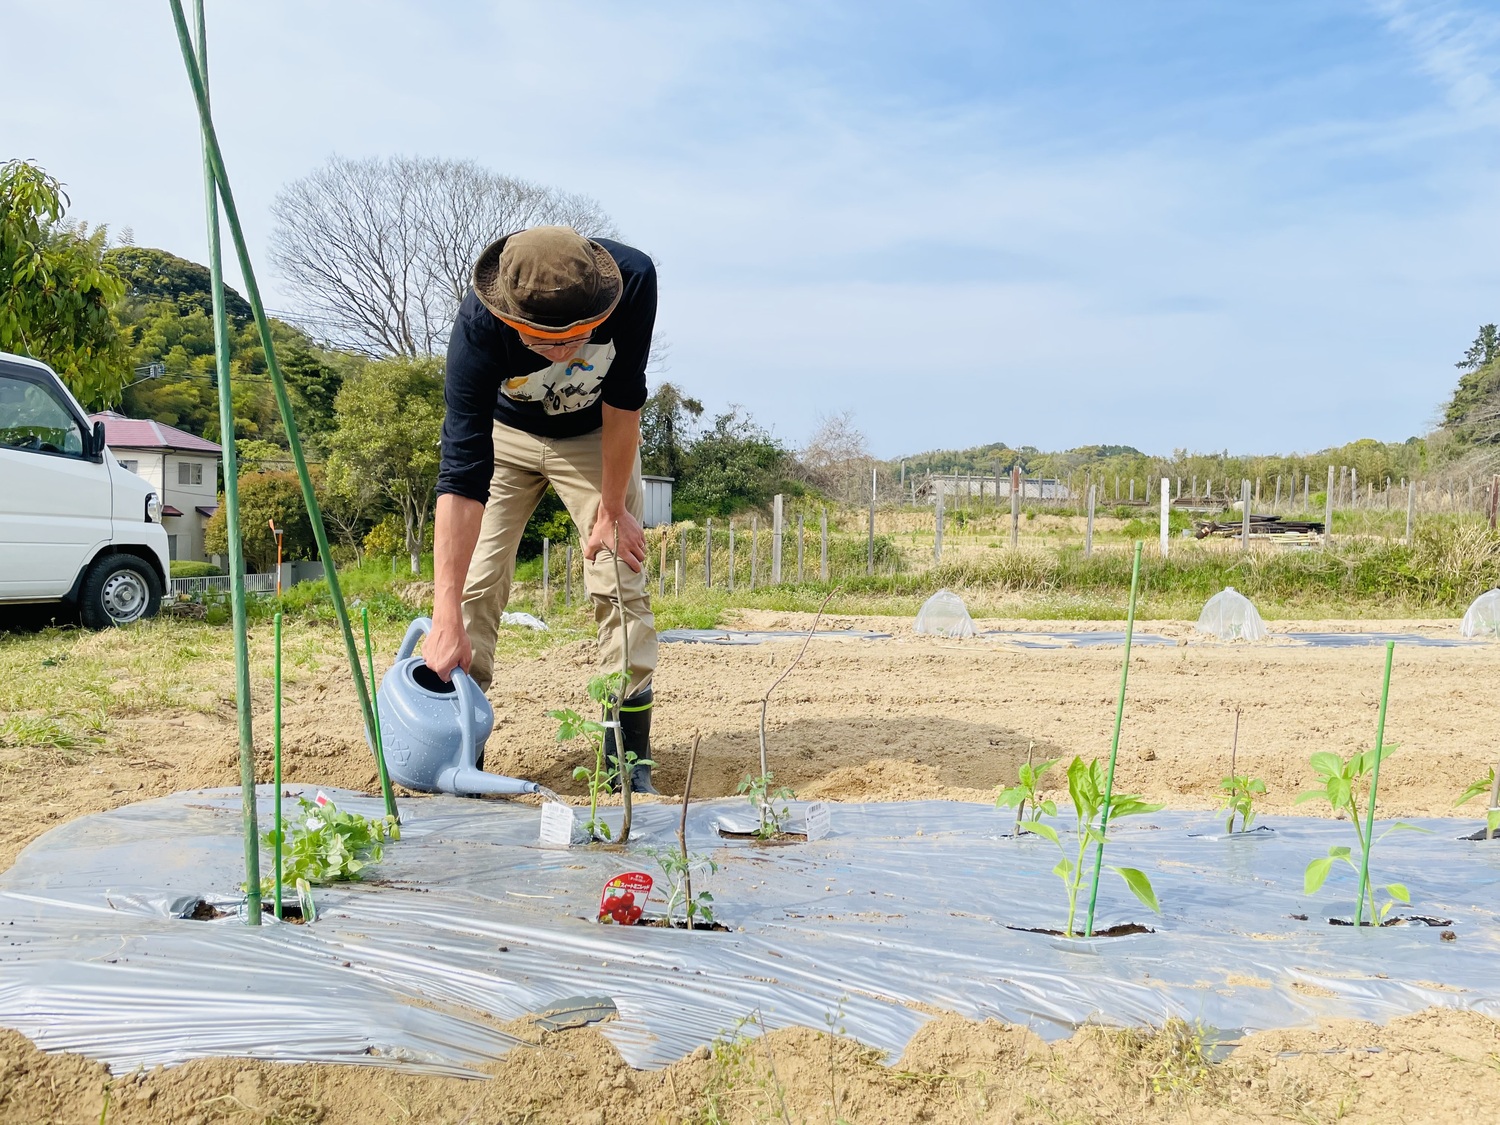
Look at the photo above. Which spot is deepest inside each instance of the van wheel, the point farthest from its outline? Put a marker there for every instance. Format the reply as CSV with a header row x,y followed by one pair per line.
x,y
119,589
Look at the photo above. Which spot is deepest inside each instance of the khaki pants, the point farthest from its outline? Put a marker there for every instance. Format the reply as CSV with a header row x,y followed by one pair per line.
x,y
524,465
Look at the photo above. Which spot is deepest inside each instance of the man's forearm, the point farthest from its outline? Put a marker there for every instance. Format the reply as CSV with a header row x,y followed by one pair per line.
x,y
621,439
455,531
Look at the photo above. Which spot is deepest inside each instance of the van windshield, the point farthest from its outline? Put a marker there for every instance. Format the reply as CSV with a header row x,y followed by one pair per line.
x,y
32,417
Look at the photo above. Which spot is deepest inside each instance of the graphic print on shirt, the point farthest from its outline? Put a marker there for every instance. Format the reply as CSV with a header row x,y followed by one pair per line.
x,y
562,388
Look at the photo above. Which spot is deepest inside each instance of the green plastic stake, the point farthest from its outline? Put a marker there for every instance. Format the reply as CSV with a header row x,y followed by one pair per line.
x,y
364,613
278,386
1364,859
276,763
1114,749
231,514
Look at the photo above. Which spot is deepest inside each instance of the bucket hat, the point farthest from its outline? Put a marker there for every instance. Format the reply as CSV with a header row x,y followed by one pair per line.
x,y
548,281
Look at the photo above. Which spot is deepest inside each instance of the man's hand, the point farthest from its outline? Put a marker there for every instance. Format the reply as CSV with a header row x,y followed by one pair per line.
x,y
447,647
632,538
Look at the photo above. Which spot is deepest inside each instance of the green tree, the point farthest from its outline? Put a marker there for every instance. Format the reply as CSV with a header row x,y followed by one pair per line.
x,y
388,422
733,466
55,290
1472,415
666,430
265,496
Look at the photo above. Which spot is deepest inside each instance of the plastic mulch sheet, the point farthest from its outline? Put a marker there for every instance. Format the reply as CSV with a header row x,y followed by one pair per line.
x,y
467,923
1358,640
1081,639
760,636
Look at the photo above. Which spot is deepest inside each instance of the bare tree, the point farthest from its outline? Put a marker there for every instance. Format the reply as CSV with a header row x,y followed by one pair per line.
x,y
378,252
837,458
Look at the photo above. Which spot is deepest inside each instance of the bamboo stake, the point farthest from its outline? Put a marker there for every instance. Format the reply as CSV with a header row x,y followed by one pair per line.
x,y
1364,861
278,386
251,817
276,771
364,613
765,700
619,696
1114,749
687,868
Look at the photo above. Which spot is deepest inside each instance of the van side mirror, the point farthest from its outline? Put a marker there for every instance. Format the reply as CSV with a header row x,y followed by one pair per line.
x,y
96,449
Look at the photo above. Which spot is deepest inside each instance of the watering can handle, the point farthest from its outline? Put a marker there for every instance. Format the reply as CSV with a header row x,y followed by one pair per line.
x,y
414,633
468,702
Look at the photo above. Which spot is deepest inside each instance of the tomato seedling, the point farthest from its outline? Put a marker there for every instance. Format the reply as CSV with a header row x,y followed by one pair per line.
x,y
679,867
1240,792
1482,787
570,725
770,801
1344,783
1026,795
1086,789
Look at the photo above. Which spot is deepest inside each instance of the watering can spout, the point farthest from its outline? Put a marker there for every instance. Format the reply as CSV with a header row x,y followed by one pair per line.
x,y
479,783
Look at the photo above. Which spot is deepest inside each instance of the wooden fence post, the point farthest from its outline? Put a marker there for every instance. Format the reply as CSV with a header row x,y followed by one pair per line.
x,y
546,574
754,548
1166,514
731,556
776,504
801,544
708,553
823,544
1245,515
682,561
870,559
937,525
1088,533
568,576
1328,512
1411,510
1015,506
661,571
1494,498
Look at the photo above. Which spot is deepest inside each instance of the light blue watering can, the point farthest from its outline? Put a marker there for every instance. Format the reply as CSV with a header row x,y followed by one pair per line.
x,y
434,732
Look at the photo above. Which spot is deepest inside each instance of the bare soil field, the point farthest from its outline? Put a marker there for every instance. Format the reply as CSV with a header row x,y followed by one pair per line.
x,y
900,719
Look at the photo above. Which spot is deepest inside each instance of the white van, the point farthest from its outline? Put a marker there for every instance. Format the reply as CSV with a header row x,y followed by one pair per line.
x,y
75,526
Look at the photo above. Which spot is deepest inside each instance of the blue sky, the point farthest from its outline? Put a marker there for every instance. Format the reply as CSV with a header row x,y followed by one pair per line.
x,y
1258,225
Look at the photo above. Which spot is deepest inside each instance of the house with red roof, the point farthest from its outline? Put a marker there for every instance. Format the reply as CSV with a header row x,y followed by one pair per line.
x,y
183,468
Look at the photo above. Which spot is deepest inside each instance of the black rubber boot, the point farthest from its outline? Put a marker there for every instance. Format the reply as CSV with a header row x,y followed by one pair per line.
x,y
635,726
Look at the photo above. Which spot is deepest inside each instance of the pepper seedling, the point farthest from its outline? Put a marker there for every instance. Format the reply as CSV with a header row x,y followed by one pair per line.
x,y
1086,789
1344,781
571,725
1240,792
770,802
1026,795
1484,786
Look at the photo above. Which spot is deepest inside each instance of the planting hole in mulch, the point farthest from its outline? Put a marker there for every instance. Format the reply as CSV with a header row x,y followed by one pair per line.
x,y
205,911
1480,836
781,839
657,922
1399,920
1124,929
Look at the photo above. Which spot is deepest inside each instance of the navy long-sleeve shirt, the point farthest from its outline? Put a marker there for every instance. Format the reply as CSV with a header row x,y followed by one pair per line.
x,y
493,377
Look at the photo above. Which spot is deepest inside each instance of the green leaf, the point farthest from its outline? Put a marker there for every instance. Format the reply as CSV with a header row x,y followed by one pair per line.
x,y
1398,891
1326,764
1046,831
1315,875
1477,788
1139,885
1338,792
1049,807
1310,795
1339,852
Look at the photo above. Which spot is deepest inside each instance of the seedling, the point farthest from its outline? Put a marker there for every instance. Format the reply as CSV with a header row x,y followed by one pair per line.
x,y
1026,796
770,801
1482,787
570,725
768,826
1086,789
679,867
329,846
1344,784
1240,791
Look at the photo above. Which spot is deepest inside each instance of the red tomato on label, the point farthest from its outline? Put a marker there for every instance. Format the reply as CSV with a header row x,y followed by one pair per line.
x,y
633,915
628,899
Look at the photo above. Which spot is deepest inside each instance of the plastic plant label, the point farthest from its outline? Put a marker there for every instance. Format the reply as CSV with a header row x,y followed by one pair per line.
x,y
818,821
557,825
321,799
624,898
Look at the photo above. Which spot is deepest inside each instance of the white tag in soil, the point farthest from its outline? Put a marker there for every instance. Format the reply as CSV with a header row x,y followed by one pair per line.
x,y
557,825
818,821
